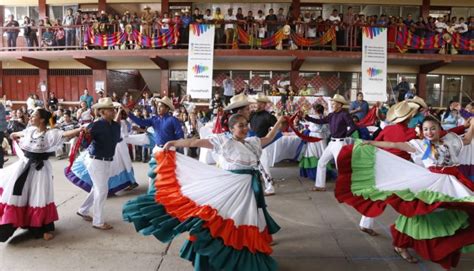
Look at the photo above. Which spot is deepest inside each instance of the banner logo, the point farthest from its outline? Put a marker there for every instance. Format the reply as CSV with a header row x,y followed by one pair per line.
x,y
372,72
198,29
372,32
198,69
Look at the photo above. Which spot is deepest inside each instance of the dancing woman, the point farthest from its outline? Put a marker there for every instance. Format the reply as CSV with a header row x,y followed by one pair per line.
x,y
223,208
435,200
26,186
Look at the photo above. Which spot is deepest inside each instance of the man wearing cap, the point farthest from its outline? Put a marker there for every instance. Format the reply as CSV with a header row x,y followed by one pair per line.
x,y
105,134
165,126
341,126
260,123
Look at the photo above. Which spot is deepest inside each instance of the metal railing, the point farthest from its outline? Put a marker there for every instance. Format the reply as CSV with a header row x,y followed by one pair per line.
x,y
348,37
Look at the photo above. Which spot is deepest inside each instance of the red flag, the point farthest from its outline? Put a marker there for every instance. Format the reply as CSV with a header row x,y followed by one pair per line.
x,y
370,118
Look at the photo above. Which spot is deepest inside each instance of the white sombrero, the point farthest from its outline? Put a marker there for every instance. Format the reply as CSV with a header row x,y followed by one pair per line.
x,y
260,97
417,102
237,101
340,99
400,112
166,101
104,103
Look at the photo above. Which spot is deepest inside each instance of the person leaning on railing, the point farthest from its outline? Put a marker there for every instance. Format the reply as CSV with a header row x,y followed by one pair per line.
x,y
12,32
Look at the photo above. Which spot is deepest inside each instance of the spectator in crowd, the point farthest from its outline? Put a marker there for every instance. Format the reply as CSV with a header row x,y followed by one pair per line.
x,y
68,21
27,31
197,16
12,29
271,21
440,25
126,98
30,103
59,35
409,20
260,25
281,18
145,101
401,89
208,17
218,18
3,129
229,27
239,16
216,103
228,85
52,101
84,115
335,20
87,98
186,19
359,107
33,34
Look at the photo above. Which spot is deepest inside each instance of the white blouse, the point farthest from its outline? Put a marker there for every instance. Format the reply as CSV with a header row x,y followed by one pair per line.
x,y
233,154
48,141
443,155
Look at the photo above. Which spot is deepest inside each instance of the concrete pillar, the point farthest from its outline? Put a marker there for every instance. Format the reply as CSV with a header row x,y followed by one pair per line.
x,y
42,9
102,5
2,19
295,4
165,83
425,8
165,6
421,81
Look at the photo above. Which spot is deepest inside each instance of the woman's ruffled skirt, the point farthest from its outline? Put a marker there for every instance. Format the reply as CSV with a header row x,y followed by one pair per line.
x,y
34,209
121,170
437,209
224,212
466,158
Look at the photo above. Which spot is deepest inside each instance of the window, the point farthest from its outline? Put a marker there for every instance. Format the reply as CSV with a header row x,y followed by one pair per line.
x,y
466,89
433,89
33,13
460,12
19,12
452,87
55,12
369,10
391,10
414,11
327,10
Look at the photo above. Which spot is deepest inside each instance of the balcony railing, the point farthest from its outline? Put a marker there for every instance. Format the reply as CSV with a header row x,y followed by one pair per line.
x,y
230,35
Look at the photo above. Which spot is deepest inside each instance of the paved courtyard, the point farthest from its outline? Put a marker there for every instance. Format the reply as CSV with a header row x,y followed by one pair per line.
x,y
317,234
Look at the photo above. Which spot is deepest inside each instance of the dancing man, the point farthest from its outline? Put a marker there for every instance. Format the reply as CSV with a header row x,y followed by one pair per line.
x,y
341,127
105,134
260,123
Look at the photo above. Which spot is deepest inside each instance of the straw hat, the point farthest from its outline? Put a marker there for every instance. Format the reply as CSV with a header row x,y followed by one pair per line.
x,y
166,101
147,8
104,103
400,112
286,30
260,97
340,99
417,102
126,12
237,101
